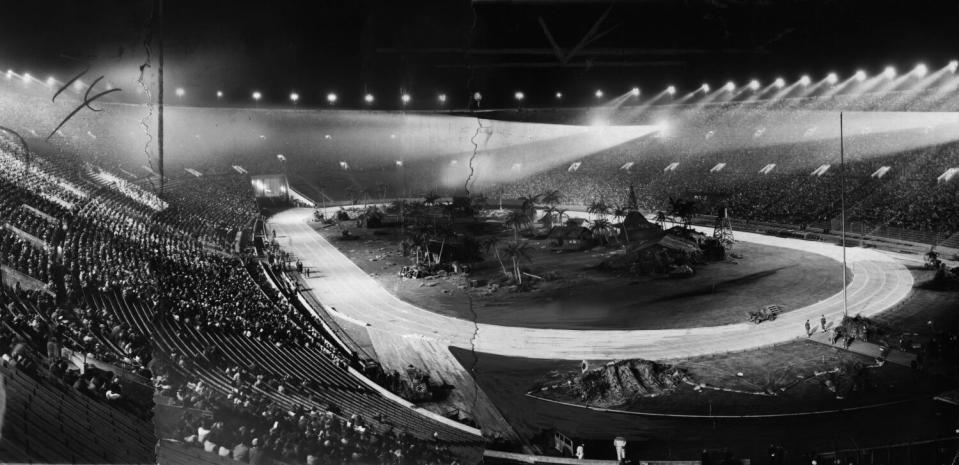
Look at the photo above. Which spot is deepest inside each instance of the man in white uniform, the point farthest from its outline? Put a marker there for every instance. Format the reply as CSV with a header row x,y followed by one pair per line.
x,y
620,444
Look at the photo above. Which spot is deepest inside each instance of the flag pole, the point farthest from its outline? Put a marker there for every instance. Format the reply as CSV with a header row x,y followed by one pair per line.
x,y
160,98
842,216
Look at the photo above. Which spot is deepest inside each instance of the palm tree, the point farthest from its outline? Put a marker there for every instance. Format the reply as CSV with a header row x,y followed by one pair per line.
x,y
661,219
529,205
599,208
600,227
492,243
515,221
517,252
551,197
684,209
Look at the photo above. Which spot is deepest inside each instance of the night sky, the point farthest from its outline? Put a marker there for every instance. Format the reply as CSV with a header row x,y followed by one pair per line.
x,y
389,47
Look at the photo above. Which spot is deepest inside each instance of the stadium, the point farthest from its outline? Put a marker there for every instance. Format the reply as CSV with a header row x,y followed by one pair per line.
x,y
486,231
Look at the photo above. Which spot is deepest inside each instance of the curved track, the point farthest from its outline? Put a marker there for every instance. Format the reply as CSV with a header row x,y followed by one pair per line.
x,y
878,283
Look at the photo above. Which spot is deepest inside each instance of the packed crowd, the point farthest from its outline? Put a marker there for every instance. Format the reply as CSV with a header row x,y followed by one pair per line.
x,y
212,208
214,293
907,196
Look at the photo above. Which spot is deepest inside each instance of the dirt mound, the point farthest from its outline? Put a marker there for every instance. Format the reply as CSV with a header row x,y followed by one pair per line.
x,y
614,384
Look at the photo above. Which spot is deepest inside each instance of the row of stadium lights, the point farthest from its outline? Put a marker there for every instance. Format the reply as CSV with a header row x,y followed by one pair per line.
x,y
832,78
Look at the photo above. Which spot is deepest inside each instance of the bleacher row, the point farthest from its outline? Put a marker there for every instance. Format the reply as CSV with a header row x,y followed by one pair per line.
x,y
48,423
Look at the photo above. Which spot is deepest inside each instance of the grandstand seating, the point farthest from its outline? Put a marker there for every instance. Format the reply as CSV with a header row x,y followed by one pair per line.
x,y
114,244
50,424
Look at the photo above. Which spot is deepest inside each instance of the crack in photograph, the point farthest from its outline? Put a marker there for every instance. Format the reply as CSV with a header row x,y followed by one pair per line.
x,y
503,232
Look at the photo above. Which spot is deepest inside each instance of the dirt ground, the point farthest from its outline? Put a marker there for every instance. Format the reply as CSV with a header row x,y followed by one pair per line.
x,y
911,414
583,297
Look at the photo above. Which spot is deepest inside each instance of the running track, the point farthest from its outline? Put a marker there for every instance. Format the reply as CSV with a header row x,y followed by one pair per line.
x,y
878,283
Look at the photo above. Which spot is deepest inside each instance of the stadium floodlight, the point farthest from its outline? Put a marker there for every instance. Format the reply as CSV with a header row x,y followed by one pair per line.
x,y
77,85
368,98
920,70
705,87
754,85
257,95
519,96
559,95
9,73
26,78
180,92
442,98
832,78
805,80
599,93
860,75
779,83
294,97
889,72
671,90
51,81
953,66
635,92
405,98
219,94
399,163
730,86
331,97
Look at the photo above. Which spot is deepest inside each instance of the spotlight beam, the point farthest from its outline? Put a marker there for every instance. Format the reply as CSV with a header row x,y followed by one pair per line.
x,y
782,93
927,81
638,109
